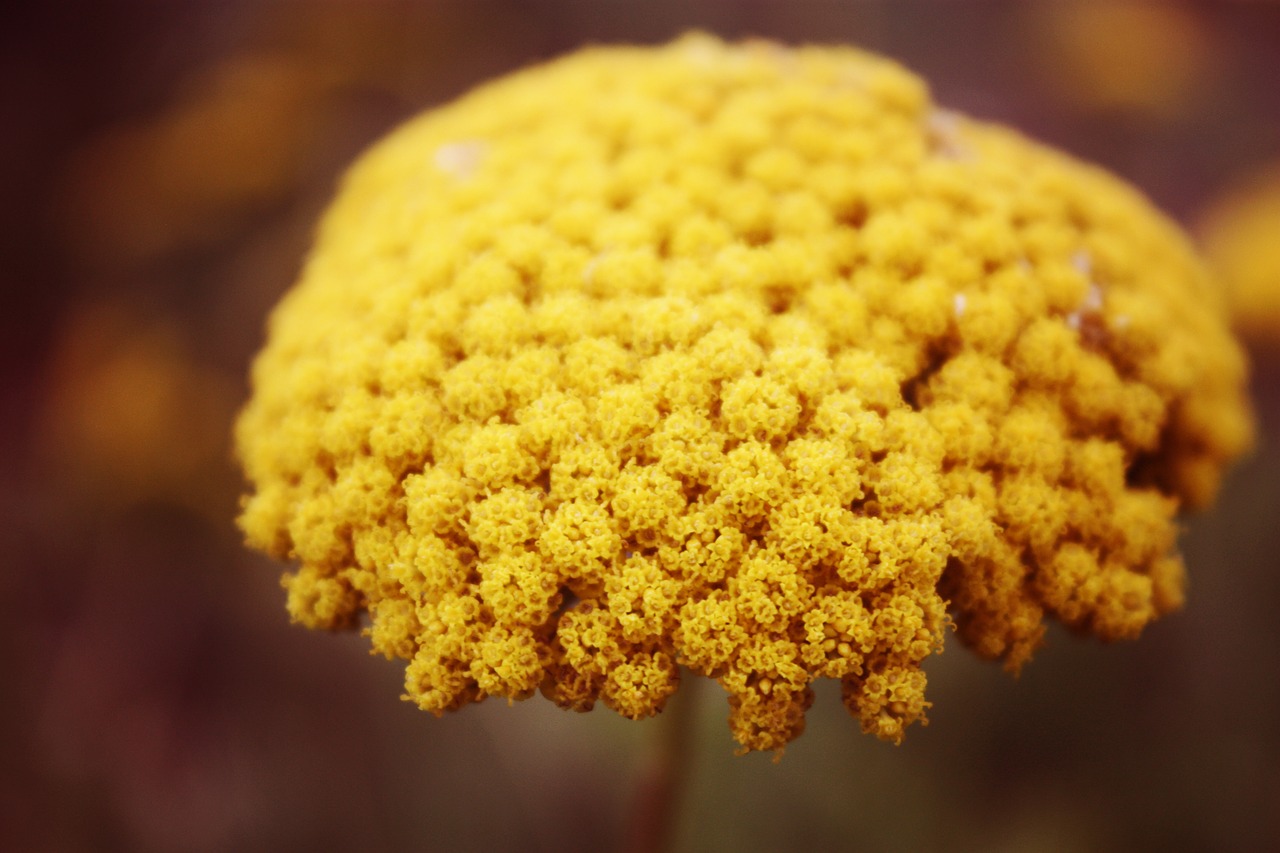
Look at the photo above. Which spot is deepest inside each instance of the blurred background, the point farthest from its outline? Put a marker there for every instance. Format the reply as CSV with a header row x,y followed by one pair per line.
x,y
161,168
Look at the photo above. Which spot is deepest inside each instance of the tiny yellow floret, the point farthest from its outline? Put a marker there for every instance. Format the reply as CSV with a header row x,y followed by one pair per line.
x,y
741,359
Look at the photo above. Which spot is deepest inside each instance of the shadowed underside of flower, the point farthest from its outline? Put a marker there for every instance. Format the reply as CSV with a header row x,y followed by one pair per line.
x,y
740,358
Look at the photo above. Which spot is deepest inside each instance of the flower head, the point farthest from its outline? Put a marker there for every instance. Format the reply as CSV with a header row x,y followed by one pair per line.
x,y
739,358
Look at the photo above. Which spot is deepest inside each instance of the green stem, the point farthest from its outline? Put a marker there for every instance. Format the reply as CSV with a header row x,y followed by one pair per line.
x,y
662,782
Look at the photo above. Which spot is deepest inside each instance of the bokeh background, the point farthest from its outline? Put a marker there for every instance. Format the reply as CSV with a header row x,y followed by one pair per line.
x,y
161,168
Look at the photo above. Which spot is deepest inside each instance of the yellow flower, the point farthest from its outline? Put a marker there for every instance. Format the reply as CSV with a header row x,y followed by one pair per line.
x,y
129,417
1240,233
1144,57
739,358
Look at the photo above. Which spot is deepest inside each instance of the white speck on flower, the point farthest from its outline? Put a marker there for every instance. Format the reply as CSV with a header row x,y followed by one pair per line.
x,y
459,159
1083,262
701,50
1092,300
1090,306
943,131
589,270
959,304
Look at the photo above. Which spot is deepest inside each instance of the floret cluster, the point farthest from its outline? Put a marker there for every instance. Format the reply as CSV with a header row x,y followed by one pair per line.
x,y
740,359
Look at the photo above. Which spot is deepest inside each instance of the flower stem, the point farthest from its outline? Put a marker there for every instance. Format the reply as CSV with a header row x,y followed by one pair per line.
x,y
656,809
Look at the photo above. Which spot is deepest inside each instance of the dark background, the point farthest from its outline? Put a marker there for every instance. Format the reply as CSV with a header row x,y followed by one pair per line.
x,y
161,166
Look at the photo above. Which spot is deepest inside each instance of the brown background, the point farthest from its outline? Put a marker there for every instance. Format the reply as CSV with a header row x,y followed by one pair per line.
x,y
161,166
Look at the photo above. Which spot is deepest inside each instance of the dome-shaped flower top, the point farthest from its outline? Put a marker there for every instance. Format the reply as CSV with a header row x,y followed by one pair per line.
x,y
741,358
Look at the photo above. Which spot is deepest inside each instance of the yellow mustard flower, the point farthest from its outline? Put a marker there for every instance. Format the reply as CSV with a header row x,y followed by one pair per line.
x,y
737,358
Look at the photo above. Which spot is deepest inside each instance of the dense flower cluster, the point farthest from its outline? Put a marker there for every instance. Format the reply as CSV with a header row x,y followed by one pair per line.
x,y
736,358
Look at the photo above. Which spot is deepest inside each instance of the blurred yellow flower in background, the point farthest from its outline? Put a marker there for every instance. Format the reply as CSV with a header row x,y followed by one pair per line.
x,y
740,358
1241,232
233,144
1137,56
131,417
